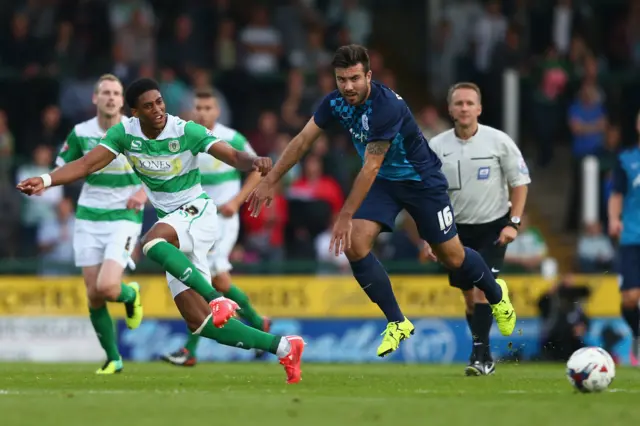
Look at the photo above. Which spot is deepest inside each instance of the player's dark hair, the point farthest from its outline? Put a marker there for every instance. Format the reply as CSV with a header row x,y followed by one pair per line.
x,y
205,94
137,88
464,85
350,56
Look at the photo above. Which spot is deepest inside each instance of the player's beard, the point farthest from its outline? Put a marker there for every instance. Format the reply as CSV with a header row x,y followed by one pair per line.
x,y
359,97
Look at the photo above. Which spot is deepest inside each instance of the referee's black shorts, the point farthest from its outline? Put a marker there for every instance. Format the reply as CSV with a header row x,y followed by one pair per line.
x,y
482,238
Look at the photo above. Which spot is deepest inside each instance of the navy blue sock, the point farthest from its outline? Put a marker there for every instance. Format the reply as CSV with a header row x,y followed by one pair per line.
x,y
374,280
632,317
475,271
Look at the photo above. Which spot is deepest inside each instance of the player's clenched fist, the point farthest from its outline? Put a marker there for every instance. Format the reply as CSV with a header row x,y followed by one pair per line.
x,y
262,165
31,186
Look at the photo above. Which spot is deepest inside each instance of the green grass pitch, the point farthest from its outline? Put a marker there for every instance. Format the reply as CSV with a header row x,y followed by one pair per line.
x,y
157,394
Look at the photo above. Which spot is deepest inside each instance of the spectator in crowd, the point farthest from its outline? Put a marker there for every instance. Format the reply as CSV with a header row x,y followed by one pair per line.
x,y
431,123
316,56
262,44
66,51
55,240
444,53
183,51
281,142
226,49
489,31
6,150
588,124
263,139
315,185
528,250
50,131
21,51
265,234
36,210
595,250
551,79
175,92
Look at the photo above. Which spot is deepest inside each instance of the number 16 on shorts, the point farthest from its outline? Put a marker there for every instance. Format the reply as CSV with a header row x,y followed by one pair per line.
x,y
445,219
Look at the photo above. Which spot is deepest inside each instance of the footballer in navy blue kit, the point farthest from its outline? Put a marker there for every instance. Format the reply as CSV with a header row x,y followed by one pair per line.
x,y
624,223
399,172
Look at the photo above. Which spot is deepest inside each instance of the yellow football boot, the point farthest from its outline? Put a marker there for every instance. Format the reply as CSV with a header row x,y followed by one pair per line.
x,y
395,333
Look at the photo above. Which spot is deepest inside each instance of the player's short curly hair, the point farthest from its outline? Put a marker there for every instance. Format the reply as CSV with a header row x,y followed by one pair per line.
x,y
350,56
137,88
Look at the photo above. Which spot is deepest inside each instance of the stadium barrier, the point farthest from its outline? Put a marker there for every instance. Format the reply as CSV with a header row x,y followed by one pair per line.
x,y
299,296
45,319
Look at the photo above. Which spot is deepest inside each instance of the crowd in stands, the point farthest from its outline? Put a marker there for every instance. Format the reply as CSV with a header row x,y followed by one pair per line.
x,y
268,65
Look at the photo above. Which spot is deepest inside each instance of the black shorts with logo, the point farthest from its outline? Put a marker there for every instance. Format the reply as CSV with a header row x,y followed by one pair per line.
x,y
483,239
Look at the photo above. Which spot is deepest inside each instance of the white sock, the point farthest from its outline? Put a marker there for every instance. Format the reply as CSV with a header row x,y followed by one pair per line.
x,y
284,347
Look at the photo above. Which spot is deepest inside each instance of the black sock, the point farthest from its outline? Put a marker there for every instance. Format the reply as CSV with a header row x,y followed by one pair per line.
x,y
470,323
475,271
375,282
632,317
474,338
482,321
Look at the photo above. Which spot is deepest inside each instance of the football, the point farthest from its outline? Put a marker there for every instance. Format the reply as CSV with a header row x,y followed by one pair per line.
x,y
591,369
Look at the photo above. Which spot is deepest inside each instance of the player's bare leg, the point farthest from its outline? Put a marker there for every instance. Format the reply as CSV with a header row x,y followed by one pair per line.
x,y
374,281
469,266
197,315
104,283
161,245
631,314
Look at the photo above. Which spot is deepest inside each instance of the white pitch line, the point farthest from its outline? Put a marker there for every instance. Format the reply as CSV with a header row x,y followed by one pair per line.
x,y
9,392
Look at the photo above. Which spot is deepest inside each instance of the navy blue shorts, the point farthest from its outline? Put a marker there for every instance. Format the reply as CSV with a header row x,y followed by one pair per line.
x,y
629,267
430,207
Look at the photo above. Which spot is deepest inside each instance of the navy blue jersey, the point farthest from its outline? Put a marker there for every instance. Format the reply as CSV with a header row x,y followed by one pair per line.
x,y
626,181
383,117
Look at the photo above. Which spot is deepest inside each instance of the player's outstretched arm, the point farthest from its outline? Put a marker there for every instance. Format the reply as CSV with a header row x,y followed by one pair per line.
x,y
241,160
294,151
263,193
96,159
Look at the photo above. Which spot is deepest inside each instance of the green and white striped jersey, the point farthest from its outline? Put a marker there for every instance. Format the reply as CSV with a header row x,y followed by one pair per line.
x,y
168,165
105,193
219,180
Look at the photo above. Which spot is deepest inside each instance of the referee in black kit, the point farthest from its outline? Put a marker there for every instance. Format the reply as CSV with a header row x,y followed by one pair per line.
x,y
480,164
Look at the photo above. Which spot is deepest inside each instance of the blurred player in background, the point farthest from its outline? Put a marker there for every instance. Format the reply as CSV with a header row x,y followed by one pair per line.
x,y
224,185
481,164
108,221
163,150
624,223
399,171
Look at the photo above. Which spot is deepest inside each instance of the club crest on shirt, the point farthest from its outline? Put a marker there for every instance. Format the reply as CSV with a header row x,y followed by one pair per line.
x,y
365,122
522,166
483,173
174,146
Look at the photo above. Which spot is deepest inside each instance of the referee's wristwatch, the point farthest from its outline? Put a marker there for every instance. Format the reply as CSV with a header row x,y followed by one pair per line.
x,y
514,222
